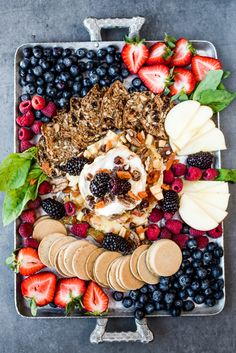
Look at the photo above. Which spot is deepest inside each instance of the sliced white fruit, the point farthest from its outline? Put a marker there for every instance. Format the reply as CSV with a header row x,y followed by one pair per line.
x,y
209,125
194,215
201,117
212,140
217,214
173,146
179,117
215,199
205,186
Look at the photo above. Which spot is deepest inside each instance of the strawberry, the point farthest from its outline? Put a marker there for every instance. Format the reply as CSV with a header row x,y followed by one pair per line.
x,y
159,53
39,289
95,301
183,53
134,53
155,77
202,64
26,262
69,292
184,82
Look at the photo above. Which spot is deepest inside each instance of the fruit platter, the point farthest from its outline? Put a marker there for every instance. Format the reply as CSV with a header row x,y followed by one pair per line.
x,y
116,187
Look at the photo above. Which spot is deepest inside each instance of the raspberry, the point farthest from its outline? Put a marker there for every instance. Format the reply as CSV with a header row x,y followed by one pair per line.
x,y
168,176
202,160
193,173
25,230
216,232
156,215
152,232
165,233
202,241
180,239
196,233
38,102
168,215
25,134
70,208
44,188
28,216
174,225
80,229
25,106
177,185
179,169
26,120
50,110
170,201
25,145
30,242
210,174
36,127
33,204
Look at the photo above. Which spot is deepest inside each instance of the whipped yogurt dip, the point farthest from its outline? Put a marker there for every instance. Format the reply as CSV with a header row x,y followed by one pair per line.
x,y
106,161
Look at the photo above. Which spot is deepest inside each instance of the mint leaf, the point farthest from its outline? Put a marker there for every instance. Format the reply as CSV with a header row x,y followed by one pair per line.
x,y
33,307
226,74
211,81
216,99
227,175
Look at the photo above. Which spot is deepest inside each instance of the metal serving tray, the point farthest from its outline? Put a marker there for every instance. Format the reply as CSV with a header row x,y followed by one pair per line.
x,y
143,334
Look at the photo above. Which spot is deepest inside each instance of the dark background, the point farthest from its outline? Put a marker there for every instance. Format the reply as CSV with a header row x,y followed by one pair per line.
x,y
57,20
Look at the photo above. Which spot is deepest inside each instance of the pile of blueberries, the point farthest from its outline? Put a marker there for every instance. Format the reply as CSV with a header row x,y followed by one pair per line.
x,y
197,282
58,74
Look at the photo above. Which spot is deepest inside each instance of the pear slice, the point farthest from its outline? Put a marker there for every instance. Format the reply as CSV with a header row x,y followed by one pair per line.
x,y
179,117
212,140
215,199
209,125
194,215
205,186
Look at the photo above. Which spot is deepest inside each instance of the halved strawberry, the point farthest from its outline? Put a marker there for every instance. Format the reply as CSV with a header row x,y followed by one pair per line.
x,y
39,289
202,64
134,53
95,301
183,53
155,77
159,53
69,292
184,82
26,261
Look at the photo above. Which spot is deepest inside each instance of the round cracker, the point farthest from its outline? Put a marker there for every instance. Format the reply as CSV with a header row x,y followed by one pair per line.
x,y
69,253
126,278
91,260
44,246
102,264
134,260
79,261
56,246
41,218
111,276
59,262
48,226
143,271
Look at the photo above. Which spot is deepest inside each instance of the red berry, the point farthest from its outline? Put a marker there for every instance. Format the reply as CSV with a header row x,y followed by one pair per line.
x,y
50,110
44,188
174,225
152,232
33,204
193,174
38,102
80,229
165,233
177,185
30,242
25,230
36,127
210,174
25,106
196,232
168,176
25,134
180,239
28,216
70,208
25,145
179,169
26,120
156,215
216,232
202,241
168,215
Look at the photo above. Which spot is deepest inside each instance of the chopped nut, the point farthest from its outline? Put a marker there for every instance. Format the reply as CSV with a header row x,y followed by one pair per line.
x,y
118,160
136,175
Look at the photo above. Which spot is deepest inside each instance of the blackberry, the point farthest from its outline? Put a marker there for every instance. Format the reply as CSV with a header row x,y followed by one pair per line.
x,y
120,186
101,184
75,165
202,160
53,208
171,201
115,242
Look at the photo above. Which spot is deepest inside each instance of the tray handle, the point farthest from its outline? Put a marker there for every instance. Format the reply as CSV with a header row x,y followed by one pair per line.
x,y
142,334
95,25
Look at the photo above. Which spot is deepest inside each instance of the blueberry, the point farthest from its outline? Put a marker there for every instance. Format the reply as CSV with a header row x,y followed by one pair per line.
x,y
67,62
38,114
37,52
218,252
25,63
205,283
110,59
40,90
81,53
104,82
66,94
86,82
216,271
30,88
25,97
185,229
51,90
90,54
149,308
220,283
157,296
192,244
195,285
30,78
184,280
207,292
22,72
57,51
144,289
127,302
190,292
60,85
111,49
132,90
70,83
101,53
124,73
211,246
63,102
188,305
189,271
113,70
27,51
169,298
136,82
48,77
47,51
82,66
197,254
101,71
176,284
175,312
185,264
160,306
33,61
66,52
53,305
138,305
164,280
117,78
151,288
199,298
37,70
207,257
117,296
22,82
142,88
178,303
60,67
210,301
45,119
139,314
197,263
45,65
118,57
84,91
218,295
183,294
74,70
201,272
143,298
65,76
78,78
134,294
90,65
